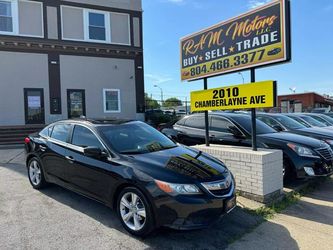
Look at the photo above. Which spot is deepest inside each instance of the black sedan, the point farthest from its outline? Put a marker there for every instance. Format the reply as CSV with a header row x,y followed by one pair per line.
x,y
129,166
282,122
302,156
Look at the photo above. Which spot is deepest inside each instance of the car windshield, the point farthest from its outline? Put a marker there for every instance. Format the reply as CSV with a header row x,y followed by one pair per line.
x,y
301,121
328,118
245,122
289,123
135,138
322,120
312,122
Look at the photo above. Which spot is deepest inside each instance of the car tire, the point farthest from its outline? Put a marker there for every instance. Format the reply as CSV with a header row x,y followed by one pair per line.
x,y
138,218
36,174
288,173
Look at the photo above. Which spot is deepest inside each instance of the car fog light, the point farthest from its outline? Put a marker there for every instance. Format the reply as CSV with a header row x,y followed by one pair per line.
x,y
309,171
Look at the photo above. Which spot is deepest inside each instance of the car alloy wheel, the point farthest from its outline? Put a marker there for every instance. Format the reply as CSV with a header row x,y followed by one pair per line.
x,y
35,173
133,211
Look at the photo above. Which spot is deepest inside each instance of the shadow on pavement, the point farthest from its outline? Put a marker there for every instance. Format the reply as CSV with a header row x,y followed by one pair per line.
x,y
315,206
268,235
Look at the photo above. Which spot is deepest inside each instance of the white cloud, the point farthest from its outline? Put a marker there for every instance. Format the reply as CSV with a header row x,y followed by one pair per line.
x,y
158,78
256,3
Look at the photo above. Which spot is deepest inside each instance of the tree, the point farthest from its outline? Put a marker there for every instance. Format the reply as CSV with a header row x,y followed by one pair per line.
x,y
151,103
172,102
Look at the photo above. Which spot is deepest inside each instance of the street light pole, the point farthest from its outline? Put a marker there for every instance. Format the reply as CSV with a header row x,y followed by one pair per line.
x,y
240,73
156,86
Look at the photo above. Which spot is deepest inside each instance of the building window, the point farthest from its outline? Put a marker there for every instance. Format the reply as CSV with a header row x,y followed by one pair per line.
x,y
8,17
97,26
111,99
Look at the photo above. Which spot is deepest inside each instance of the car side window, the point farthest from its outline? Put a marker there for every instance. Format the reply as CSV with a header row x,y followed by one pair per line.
x,y
61,132
195,122
46,131
83,137
269,121
221,125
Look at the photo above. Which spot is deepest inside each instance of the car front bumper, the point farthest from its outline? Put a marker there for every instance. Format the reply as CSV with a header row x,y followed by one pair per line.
x,y
320,167
187,212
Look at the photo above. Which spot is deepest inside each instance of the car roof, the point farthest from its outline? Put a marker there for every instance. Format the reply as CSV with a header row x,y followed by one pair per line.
x,y
97,121
221,113
272,114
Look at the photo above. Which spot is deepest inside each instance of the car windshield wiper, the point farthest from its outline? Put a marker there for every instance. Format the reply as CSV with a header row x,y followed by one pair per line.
x,y
131,152
168,147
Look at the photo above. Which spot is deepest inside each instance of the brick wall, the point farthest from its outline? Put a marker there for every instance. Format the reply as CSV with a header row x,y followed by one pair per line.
x,y
258,174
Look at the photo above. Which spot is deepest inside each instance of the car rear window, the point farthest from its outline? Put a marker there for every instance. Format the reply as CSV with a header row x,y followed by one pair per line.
x,y
61,132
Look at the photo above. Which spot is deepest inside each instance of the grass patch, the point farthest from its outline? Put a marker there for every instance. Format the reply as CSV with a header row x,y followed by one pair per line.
x,y
268,212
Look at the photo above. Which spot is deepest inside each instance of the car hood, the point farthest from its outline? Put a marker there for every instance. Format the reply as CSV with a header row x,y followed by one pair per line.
x,y
325,133
294,138
179,164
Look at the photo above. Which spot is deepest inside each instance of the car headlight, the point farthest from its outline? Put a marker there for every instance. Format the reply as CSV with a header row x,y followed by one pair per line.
x,y
301,151
174,189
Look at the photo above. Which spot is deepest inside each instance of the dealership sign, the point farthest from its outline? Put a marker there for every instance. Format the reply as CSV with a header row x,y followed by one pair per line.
x,y
254,39
245,96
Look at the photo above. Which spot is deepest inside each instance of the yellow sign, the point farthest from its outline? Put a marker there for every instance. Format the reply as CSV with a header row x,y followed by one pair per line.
x,y
256,38
245,96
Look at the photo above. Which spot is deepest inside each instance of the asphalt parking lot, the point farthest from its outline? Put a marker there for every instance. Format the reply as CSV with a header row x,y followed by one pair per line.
x,y
59,219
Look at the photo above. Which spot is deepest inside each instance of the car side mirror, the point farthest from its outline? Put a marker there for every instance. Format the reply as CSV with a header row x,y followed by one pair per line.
x,y
277,128
94,152
236,133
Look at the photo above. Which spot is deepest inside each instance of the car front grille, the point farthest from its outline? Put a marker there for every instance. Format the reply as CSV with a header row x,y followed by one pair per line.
x,y
221,192
326,153
224,190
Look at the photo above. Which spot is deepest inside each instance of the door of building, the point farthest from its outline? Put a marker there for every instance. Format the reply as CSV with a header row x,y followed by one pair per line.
x,y
34,106
76,103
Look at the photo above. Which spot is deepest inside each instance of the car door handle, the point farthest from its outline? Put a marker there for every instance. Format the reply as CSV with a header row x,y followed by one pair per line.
x,y
70,159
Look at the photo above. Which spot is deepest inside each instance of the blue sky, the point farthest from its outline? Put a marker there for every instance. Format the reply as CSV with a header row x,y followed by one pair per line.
x,y
166,21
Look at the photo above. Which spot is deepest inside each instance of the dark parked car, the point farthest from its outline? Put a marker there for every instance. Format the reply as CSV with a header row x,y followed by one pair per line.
x,y
328,121
306,120
302,156
282,122
129,166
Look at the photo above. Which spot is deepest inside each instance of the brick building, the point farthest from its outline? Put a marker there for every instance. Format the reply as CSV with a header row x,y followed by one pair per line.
x,y
303,102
